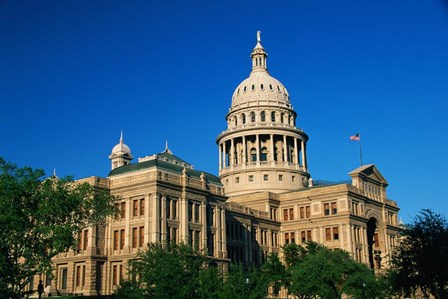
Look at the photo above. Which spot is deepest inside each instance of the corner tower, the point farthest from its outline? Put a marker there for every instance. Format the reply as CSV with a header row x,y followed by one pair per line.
x,y
262,149
121,154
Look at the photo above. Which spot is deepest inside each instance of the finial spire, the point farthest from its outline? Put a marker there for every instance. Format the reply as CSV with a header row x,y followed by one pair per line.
x,y
121,136
54,172
167,150
259,36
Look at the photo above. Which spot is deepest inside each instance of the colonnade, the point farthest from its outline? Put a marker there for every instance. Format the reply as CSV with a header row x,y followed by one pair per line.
x,y
262,149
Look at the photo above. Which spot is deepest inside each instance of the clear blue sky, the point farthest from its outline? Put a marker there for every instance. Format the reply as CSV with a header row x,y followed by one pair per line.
x,y
74,73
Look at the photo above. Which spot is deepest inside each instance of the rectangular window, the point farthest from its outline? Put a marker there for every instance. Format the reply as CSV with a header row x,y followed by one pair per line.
x,y
251,178
308,211
174,209
285,214
376,240
280,177
86,238
308,235
302,212
334,209
286,238
328,234
190,211
78,276
114,275
135,208
303,236
174,235
64,278
197,209
293,239
116,240
335,233
83,280
142,207
122,239
134,237
326,209
123,210
79,241
291,214
265,177
237,180
142,236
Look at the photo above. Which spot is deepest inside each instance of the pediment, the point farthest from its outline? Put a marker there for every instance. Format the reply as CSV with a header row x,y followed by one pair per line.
x,y
369,173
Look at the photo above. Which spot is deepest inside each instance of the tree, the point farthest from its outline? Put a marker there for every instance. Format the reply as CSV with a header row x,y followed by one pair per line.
x,y
39,218
316,270
174,271
275,273
244,283
420,263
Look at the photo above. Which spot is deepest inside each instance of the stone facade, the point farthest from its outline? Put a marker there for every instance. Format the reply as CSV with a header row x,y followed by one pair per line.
x,y
263,198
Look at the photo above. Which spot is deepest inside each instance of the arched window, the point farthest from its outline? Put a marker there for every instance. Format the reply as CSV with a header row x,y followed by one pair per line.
x,y
282,117
243,117
235,119
252,116
253,155
263,116
264,154
273,116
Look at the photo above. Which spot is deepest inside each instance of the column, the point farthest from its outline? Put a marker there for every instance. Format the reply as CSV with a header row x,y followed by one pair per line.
x,y
296,152
220,156
224,236
285,149
204,226
249,244
224,155
147,231
155,227
232,153
218,248
350,243
272,149
246,247
163,220
257,147
304,156
244,151
365,246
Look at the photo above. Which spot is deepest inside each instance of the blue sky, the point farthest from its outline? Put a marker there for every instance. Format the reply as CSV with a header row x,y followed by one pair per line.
x,y
74,73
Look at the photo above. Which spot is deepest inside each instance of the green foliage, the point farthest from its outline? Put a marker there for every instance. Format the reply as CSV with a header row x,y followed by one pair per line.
x,y
275,273
242,283
38,220
173,271
421,262
318,271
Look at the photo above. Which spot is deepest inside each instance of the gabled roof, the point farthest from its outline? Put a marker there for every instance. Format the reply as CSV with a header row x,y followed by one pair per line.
x,y
369,171
167,161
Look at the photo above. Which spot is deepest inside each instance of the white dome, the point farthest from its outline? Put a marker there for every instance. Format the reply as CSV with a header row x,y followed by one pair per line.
x,y
121,148
260,85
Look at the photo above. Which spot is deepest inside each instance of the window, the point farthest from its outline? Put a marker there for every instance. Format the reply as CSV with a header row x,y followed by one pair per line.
x,y
282,116
122,239
288,214
134,237
135,208
142,207
280,177
265,177
197,209
235,120
335,233
64,278
270,87
243,117
142,236
252,116
330,208
261,86
291,214
376,240
251,178
273,116
86,239
332,233
116,240
285,215
305,212
264,154
253,87
286,238
253,155
237,180
290,238
79,241
78,276
115,275
263,116
123,210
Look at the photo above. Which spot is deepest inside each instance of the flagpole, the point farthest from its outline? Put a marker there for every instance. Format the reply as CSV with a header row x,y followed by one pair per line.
x,y
360,149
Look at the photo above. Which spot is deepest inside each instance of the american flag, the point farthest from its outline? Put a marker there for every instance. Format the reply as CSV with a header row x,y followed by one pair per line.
x,y
355,137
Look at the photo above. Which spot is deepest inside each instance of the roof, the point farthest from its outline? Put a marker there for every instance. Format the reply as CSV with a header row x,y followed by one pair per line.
x,y
167,161
369,171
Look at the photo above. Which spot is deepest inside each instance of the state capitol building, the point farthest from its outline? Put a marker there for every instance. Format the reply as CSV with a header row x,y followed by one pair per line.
x,y
263,198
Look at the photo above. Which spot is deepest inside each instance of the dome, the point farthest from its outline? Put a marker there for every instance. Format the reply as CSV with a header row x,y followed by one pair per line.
x,y
260,86
121,148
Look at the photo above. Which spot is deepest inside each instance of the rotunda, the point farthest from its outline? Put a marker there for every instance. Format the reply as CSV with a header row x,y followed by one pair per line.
x,y
262,149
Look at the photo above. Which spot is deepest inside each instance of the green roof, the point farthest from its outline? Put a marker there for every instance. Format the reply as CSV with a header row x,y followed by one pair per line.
x,y
167,161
